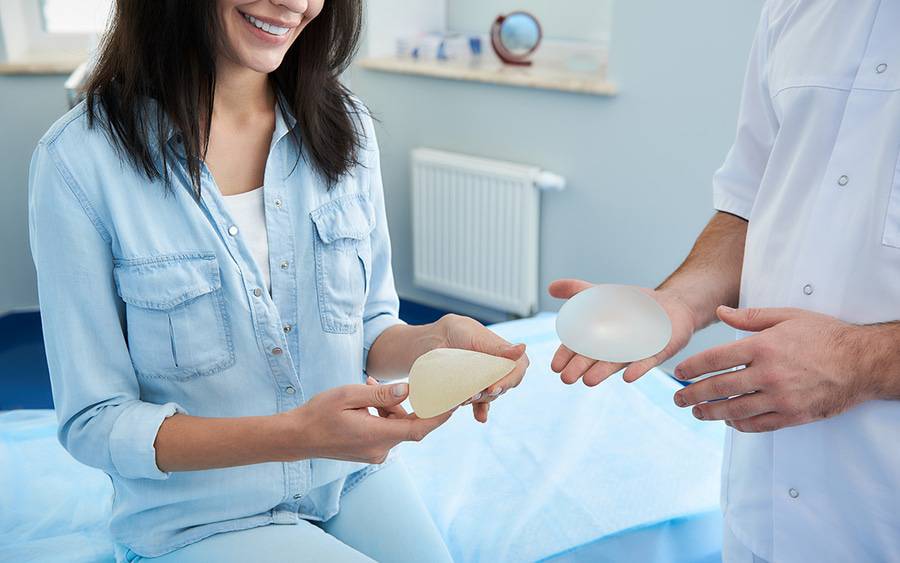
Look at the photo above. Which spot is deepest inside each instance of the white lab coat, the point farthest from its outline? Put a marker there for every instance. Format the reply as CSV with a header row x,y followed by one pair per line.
x,y
815,170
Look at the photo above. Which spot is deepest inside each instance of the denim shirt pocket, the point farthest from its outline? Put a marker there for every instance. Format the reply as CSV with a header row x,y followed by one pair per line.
x,y
343,260
175,315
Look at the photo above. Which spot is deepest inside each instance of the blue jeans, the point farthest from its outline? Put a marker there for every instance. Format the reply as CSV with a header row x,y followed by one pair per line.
x,y
381,519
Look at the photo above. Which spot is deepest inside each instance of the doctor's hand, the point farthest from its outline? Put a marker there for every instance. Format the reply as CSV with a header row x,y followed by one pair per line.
x,y
800,367
468,334
336,424
572,366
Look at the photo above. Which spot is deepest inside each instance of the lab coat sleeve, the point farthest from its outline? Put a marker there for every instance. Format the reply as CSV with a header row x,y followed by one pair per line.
x,y
736,183
102,421
382,304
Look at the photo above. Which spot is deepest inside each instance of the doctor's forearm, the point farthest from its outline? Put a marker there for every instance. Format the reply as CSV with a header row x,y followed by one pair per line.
x,y
876,350
711,274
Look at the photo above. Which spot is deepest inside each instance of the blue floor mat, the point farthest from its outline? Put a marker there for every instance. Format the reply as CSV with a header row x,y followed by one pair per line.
x,y
24,380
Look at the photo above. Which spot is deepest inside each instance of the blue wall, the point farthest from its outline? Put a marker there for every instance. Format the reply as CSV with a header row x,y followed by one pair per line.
x,y
28,106
639,164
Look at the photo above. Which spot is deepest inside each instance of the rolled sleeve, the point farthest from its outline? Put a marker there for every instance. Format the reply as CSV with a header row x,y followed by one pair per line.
x,y
102,421
736,183
131,441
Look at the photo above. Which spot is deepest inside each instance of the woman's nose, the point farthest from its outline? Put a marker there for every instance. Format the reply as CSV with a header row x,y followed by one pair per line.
x,y
296,6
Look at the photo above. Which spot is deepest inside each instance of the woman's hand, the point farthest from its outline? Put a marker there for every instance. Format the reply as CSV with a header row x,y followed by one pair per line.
x,y
468,334
572,366
336,424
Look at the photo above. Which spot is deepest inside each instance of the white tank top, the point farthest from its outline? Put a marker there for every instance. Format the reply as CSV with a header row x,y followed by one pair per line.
x,y
249,213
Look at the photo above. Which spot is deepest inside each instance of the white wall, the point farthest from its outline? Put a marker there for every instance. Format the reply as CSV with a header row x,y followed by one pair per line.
x,y
638,165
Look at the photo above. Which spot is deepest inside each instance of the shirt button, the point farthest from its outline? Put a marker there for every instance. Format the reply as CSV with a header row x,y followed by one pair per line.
x,y
257,292
807,289
278,203
277,351
287,328
285,264
794,493
298,497
233,230
289,390
881,68
843,180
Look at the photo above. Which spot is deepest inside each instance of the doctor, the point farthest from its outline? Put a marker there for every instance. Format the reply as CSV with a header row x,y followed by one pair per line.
x,y
806,241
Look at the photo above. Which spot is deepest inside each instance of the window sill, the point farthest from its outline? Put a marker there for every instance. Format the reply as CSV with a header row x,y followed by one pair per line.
x,y
537,76
40,65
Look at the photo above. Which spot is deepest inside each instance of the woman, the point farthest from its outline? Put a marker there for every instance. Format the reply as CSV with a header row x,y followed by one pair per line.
x,y
214,272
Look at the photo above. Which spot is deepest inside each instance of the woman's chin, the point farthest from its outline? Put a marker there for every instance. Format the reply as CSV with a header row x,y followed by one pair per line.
x,y
263,63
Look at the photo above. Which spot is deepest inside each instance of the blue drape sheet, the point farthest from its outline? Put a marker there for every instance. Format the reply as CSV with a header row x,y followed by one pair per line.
x,y
560,473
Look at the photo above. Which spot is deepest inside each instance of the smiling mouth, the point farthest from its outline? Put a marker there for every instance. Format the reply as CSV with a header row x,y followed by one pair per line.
x,y
269,28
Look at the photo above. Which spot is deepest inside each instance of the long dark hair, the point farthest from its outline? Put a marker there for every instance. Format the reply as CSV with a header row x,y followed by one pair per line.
x,y
165,50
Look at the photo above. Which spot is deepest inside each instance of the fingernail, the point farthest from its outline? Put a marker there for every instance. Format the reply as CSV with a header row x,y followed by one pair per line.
x,y
476,396
698,414
728,309
496,392
679,373
679,400
399,390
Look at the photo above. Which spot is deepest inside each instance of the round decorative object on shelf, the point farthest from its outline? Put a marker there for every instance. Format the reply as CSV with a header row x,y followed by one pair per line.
x,y
515,37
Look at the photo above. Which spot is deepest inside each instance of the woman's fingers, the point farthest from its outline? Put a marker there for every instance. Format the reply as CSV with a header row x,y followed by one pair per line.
x,y
396,411
480,410
512,379
391,411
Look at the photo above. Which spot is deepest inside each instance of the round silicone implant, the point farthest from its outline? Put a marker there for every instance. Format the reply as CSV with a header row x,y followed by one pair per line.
x,y
613,323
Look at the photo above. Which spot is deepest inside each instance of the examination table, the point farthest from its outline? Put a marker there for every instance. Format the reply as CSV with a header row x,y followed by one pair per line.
x,y
561,473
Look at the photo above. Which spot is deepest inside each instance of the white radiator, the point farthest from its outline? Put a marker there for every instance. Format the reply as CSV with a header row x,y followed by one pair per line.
x,y
476,226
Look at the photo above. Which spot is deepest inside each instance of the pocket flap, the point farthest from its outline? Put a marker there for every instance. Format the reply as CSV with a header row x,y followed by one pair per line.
x,y
350,216
165,282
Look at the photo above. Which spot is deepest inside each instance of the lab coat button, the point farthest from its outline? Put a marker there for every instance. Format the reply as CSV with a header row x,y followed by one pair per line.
x,y
298,497
289,390
794,493
843,180
278,203
257,292
287,328
807,289
285,264
881,68
233,230
277,351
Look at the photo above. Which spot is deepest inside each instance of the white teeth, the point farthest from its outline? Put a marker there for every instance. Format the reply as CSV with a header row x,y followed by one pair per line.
x,y
267,27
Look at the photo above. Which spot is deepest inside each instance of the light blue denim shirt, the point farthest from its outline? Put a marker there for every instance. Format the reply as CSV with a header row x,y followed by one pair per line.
x,y
152,304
